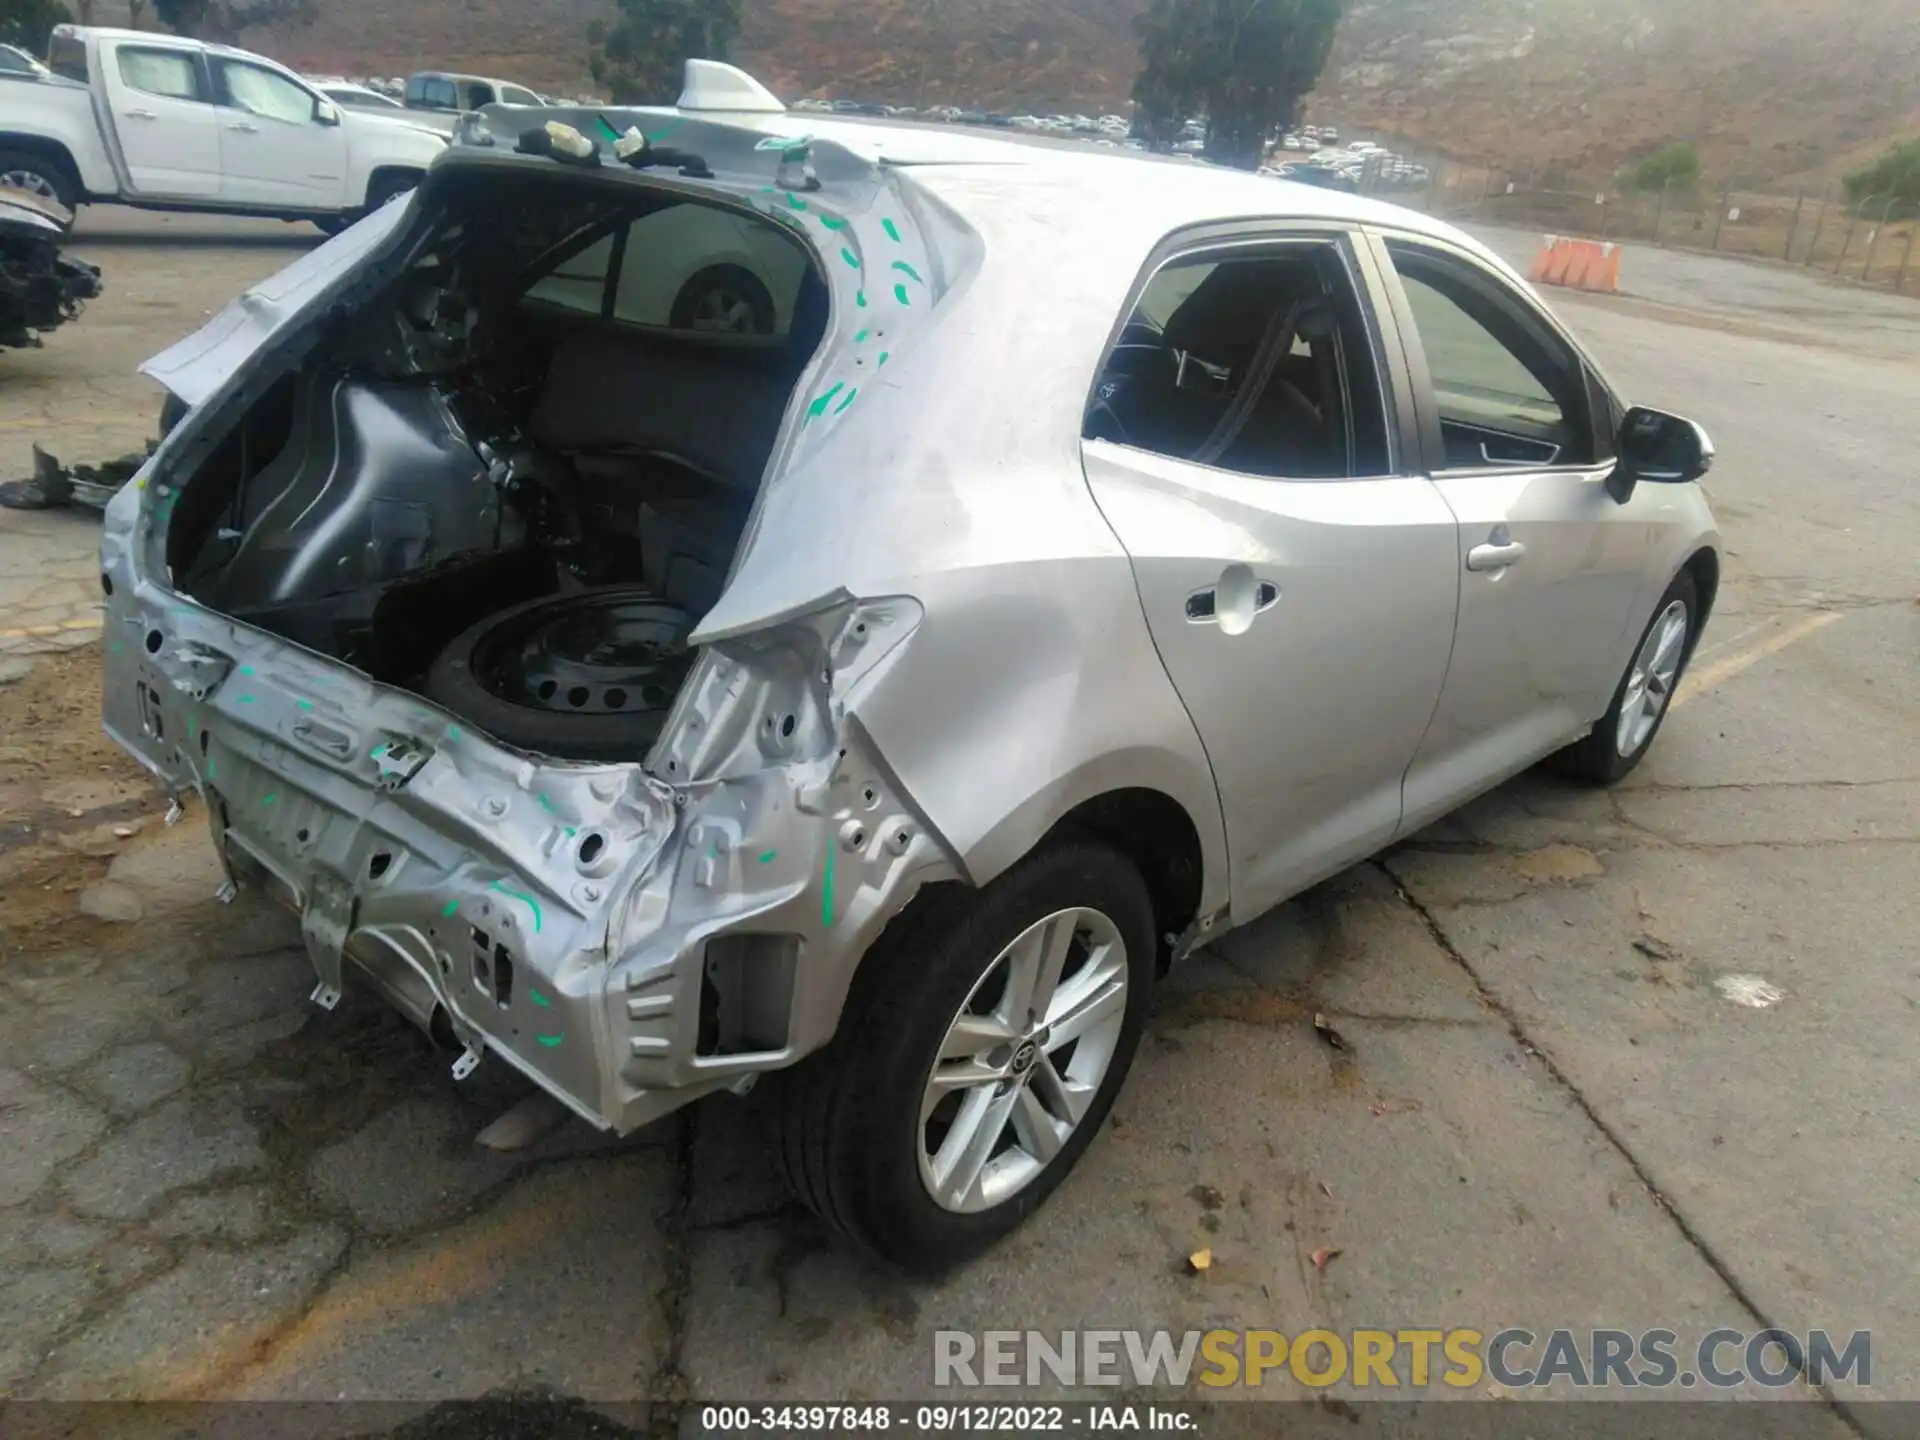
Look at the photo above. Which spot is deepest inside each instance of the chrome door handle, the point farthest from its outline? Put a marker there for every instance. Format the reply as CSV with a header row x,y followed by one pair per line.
x,y
140,115
1495,557
246,126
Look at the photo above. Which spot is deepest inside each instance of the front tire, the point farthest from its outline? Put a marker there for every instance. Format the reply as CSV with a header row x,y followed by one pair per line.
x,y
39,176
987,1037
1622,737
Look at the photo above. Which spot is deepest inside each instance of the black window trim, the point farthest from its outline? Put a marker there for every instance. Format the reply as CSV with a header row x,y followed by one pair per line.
x,y
1350,245
1592,384
202,78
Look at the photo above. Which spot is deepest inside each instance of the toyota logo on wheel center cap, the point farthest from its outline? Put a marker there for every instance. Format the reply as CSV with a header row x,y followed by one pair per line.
x,y
1023,1057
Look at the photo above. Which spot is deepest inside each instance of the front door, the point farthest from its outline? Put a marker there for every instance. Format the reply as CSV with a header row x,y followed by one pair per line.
x,y
1517,434
162,113
274,149
1299,587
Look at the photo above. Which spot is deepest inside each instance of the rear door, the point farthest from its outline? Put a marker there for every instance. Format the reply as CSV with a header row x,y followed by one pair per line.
x,y
274,149
1299,579
160,100
1516,433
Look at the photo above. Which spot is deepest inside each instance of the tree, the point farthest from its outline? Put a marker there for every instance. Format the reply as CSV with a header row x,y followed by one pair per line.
x,y
640,57
29,23
225,19
1245,64
1676,165
1895,175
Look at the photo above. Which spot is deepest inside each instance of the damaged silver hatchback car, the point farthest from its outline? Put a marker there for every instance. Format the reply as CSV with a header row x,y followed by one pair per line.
x,y
867,660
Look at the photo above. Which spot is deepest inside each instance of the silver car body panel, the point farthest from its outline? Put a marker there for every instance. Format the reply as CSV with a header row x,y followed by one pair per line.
x,y
945,629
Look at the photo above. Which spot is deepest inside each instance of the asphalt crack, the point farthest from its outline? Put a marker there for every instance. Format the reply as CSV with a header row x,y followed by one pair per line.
x,y
1694,1239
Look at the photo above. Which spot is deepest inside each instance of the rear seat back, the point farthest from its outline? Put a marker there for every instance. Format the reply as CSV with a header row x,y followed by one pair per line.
x,y
612,392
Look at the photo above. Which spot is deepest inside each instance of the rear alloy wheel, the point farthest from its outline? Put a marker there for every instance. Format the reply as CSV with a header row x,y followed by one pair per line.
x,y
986,1039
1622,737
588,676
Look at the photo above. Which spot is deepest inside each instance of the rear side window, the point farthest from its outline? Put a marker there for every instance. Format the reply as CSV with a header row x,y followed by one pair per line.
x,y
169,73
1255,361
67,55
686,267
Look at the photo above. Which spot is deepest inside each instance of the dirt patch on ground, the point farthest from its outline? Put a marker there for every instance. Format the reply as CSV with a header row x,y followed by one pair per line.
x,y
70,800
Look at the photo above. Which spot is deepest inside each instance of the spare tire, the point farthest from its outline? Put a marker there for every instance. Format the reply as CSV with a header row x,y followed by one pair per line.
x,y
587,676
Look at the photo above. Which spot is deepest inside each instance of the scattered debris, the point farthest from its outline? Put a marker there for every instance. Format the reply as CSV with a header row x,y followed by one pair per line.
x,y
1199,1261
534,1117
1655,949
1323,1027
54,485
1755,992
39,287
1325,1189
1207,1197
1325,1256
1393,1107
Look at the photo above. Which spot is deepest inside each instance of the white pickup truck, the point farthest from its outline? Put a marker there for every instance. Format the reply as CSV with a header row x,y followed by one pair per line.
x,y
164,123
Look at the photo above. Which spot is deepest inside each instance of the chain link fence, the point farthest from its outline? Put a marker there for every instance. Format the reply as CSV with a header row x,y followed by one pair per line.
x,y
1871,241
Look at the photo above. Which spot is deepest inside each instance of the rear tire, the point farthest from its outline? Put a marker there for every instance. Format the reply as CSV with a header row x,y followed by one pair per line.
x,y
1644,694
858,1141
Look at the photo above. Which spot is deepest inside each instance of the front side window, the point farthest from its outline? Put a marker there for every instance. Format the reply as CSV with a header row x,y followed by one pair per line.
x,y
1259,361
1509,391
514,95
262,92
168,73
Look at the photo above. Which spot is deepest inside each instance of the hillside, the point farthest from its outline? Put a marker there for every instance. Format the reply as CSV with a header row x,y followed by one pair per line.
x,y
1767,88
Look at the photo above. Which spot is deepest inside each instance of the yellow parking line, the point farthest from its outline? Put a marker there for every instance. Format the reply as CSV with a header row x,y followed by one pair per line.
x,y
1721,671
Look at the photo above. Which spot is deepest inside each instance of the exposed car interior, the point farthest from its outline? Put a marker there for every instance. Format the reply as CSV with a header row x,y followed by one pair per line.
x,y
1260,364
516,508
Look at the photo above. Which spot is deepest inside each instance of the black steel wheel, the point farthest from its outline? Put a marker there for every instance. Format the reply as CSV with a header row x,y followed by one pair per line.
x,y
586,676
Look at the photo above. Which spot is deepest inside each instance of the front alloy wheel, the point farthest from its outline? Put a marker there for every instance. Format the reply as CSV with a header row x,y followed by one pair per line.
x,y
986,1037
1641,700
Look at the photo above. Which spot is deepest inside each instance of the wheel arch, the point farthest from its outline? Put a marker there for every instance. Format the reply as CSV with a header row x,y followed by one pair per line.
x,y
1704,566
50,149
1157,835
381,174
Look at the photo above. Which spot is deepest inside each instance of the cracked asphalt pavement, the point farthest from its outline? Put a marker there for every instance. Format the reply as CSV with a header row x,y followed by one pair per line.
x,y
1623,1059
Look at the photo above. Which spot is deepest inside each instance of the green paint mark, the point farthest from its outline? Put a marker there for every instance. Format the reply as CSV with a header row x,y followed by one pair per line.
x,y
860,298
572,831
545,803
794,202
453,732
193,726
526,900
246,699
606,125
452,909
542,1001
885,355
115,648
304,704
552,1042
861,335
848,256
832,222
905,269
900,294
766,856
819,407
209,767
848,401
378,751
893,230
269,800
826,893
246,669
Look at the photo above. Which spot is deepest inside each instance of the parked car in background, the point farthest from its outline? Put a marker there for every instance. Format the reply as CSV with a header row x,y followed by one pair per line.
x,y
155,121
1325,177
441,97
356,97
